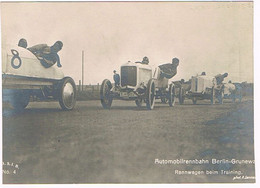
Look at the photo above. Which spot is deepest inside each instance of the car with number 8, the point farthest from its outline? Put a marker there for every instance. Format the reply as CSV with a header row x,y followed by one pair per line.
x,y
24,78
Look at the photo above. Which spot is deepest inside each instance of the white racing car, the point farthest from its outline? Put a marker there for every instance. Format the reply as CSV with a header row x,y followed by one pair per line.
x,y
137,83
202,87
24,76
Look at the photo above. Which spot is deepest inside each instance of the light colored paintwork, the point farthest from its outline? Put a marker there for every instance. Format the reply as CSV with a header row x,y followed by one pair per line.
x,y
25,83
31,66
144,73
203,82
159,81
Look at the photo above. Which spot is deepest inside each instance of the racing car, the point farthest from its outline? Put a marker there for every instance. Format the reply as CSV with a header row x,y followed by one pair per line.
x,y
201,87
24,77
137,83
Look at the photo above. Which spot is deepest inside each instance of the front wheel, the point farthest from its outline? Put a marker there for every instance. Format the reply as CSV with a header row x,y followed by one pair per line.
x,y
171,97
106,99
194,100
150,95
181,95
67,93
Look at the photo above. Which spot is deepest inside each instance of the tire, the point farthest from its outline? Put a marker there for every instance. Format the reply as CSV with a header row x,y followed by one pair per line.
x,y
212,96
67,93
233,98
150,95
139,102
20,99
171,95
220,97
239,96
106,99
194,100
181,96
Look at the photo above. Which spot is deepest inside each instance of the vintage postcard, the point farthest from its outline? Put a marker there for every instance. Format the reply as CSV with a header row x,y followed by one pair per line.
x,y
127,92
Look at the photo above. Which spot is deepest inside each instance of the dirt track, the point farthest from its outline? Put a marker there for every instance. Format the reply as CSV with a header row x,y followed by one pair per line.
x,y
93,145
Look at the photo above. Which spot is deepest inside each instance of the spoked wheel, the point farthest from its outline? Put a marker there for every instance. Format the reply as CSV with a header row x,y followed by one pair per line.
x,y
20,99
67,93
240,94
106,99
212,95
233,98
181,96
237,95
139,102
240,97
220,97
171,95
150,94
194,100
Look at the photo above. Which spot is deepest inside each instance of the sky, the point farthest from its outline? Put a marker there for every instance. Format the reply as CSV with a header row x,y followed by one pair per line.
x,y
215,37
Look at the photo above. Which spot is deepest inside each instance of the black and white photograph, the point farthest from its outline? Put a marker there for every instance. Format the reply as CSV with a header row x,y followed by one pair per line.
x,y
128,92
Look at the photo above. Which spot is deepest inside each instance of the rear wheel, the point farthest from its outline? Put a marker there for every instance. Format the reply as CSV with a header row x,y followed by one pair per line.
x,y
20,99
106,99
181,95
239,95
171,95
150,95
67,93
240,98
194,100
139,102
220,97
233,98
212,95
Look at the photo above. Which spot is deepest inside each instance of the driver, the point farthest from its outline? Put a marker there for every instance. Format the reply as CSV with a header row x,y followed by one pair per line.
x,y
220,78
48,55
169,70
144,61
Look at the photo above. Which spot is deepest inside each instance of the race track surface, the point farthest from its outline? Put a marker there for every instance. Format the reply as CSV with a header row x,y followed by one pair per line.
x,y
120,145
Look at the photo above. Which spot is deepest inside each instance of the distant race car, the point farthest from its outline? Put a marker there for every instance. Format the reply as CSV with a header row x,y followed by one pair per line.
x,y
202,87
231,91
137,83
24,76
